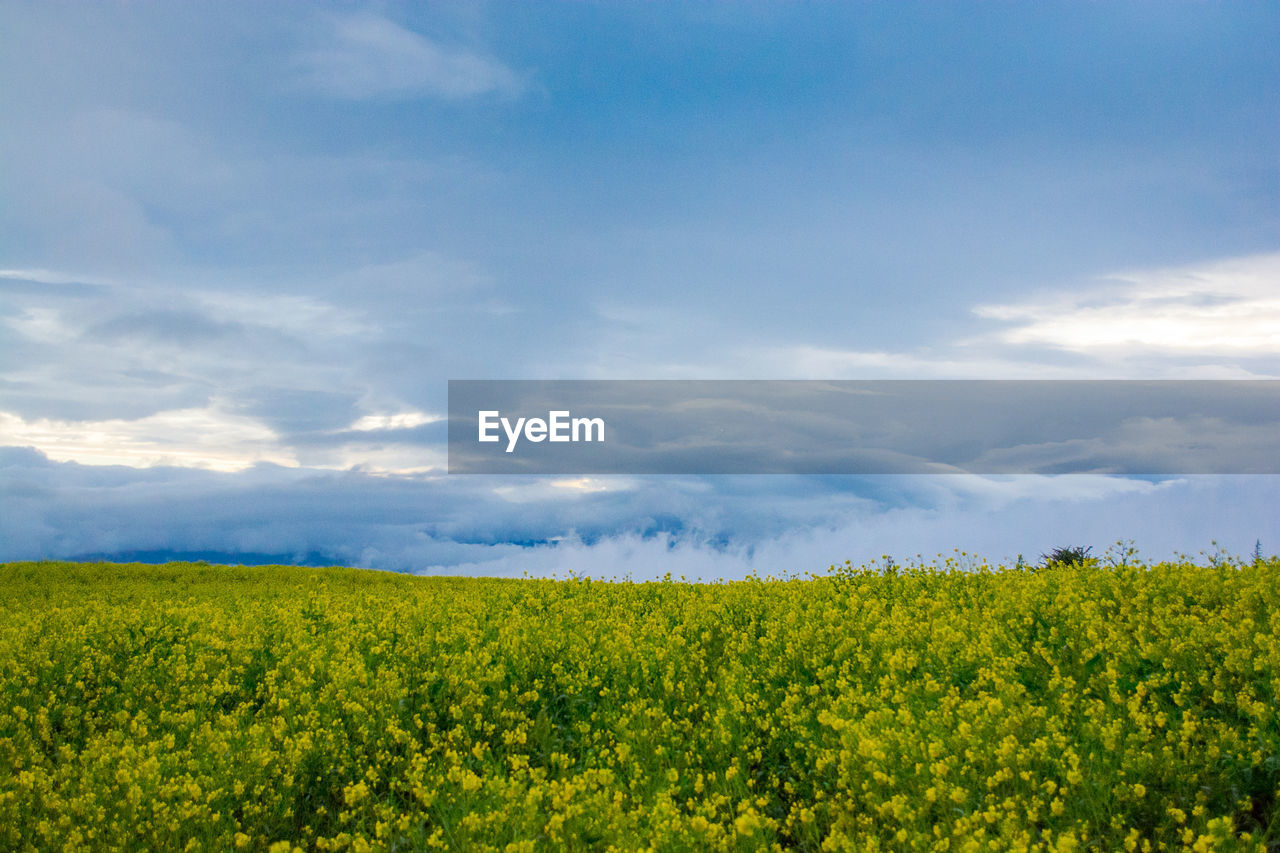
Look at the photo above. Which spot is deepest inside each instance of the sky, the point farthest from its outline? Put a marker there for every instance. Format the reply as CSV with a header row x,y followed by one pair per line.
x,y
243,247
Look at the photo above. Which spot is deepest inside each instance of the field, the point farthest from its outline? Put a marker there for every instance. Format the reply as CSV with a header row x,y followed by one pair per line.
x,y
198,707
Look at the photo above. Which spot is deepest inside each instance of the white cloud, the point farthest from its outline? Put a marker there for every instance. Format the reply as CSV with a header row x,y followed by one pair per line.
x,y
541,489
399,420
1229,307
813,362
213,439
383,460
998,361
366,56
193,438
955,361
304,316
1218,320
1002,490
42,325
46,276
991,519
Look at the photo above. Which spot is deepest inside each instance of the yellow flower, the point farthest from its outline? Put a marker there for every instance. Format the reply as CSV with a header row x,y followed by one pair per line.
x,y
747,822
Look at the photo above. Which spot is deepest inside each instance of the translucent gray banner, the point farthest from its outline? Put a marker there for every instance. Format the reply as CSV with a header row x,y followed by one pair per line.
x,y
1163,427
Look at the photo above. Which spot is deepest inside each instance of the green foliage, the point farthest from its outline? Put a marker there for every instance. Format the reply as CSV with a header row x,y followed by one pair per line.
x,y
952,706
1067,556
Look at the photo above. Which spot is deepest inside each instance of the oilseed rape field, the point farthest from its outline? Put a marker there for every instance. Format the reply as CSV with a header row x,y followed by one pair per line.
x,y
1071,707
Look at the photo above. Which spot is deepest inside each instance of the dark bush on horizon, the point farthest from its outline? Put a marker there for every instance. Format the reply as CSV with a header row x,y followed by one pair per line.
x,y
1067,556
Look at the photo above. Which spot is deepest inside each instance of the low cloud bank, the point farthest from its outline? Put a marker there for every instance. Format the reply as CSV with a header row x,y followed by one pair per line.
x,y
642,528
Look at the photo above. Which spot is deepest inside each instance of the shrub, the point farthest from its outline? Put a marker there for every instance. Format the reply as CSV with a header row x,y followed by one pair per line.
x,y
1067,556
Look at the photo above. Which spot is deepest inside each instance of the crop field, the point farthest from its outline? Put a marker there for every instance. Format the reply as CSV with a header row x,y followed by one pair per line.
x,y
1074,707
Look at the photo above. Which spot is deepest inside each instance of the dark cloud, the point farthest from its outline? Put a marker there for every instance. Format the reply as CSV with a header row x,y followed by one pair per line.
x,y
480,524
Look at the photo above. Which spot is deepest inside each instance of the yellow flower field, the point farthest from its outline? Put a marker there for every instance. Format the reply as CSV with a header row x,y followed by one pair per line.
x,y
198,707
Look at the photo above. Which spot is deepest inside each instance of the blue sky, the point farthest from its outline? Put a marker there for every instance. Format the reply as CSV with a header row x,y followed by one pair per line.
x,y
243,247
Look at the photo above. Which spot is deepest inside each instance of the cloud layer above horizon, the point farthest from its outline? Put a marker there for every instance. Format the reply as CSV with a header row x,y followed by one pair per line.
x,y
704,528
243,248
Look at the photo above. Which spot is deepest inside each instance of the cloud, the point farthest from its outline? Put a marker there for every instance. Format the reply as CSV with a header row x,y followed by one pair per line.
x,y
367,56
145,190
1215,320
1148,444
717,527
76,352
987,519
195,438
95,373
291,430
399,420
999,360
804,361
166,326
295,314
56,277
342,384
1228,307
535,490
